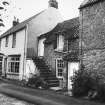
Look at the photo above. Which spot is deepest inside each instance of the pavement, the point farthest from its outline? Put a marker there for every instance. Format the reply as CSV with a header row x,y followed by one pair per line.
x,y
40,97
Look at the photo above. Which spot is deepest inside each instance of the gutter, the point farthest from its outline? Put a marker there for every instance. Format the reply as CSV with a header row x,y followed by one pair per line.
x,y
4,35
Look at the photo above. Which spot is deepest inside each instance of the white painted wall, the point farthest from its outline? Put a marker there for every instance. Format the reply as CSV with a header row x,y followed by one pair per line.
x,y
72,68
41,47
46,21
19,49
30,69
42,24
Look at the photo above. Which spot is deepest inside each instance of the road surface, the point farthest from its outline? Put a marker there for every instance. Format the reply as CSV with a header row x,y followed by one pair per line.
x,y
6,100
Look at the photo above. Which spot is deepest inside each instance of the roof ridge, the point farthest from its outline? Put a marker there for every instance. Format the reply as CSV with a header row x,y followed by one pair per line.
x,y
23,23
89,3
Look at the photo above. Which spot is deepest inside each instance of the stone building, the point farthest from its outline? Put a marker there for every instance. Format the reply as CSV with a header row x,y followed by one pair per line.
x,y
92,35
62,50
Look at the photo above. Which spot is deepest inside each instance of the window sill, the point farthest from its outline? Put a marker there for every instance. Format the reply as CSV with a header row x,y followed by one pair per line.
x,y
11,73
60,77
58,50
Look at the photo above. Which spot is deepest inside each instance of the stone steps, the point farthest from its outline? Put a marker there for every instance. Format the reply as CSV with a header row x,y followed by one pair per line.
x,y
46,73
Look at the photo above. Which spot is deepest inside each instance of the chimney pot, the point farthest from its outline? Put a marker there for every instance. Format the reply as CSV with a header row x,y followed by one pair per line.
x,y
15,21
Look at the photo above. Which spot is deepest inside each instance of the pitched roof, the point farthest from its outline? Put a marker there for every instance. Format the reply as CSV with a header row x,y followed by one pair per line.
x,y
19,26
86,3
70,29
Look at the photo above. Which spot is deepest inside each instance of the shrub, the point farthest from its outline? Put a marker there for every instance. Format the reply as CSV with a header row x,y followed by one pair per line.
x,y
88,83
36,82
101,92
82,83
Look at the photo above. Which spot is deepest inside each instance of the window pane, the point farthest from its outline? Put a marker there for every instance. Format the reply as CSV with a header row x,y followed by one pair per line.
x,y
14,40
60,43
60,67
13,64
6,42
9,67
17,67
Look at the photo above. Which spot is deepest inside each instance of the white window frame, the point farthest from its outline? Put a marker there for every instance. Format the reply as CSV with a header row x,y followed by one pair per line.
x,y
60,42
57,68
14,62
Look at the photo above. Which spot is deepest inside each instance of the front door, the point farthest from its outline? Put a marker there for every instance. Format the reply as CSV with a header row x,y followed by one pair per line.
x,y
41,47
72,67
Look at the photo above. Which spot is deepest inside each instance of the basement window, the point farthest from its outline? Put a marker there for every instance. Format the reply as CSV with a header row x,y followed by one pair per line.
x,y
13,64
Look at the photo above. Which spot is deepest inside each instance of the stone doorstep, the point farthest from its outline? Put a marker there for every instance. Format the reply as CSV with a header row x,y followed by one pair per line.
x,y
69,93
59,90
56,88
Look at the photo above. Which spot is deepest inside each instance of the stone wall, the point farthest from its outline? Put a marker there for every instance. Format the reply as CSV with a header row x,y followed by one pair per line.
x,y
51,55
92,34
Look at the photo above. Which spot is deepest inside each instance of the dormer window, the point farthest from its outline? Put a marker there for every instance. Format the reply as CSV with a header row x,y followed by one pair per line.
x,y
60,42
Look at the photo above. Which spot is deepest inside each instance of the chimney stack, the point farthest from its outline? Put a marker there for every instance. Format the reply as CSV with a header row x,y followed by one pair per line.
x,y
15,21
53,3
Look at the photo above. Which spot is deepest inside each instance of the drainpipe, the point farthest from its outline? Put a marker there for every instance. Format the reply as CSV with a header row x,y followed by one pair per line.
x,y
81,52
25,52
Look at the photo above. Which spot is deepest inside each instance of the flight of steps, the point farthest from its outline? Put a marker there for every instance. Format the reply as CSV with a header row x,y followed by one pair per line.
x,y
45,72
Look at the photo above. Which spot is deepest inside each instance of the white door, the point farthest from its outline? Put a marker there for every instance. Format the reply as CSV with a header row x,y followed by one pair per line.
x,y
41,47
72,67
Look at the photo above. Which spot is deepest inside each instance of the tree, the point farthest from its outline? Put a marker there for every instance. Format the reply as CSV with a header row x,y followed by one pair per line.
x,y
3,9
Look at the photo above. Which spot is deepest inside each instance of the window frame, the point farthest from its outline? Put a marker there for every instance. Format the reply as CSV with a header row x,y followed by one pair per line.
x,y
14,40
59,47
0,43
6,41
12,62
57,71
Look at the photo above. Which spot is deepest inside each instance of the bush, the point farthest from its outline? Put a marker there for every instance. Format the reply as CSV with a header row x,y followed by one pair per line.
x,y
37,82
101,92
88,83
82,83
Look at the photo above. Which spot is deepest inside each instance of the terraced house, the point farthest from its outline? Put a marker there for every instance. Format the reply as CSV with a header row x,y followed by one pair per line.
x,y
20,44
43,45
62,51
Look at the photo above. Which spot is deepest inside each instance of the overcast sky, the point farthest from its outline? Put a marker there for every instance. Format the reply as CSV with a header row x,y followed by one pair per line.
x,y
67,8
24,9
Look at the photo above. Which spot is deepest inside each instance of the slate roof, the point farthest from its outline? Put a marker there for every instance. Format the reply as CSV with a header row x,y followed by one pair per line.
x,y
70,29
86,3
19,26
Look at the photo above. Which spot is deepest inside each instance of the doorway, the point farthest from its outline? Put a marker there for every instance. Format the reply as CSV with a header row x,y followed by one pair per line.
x,y
72,68
41,47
